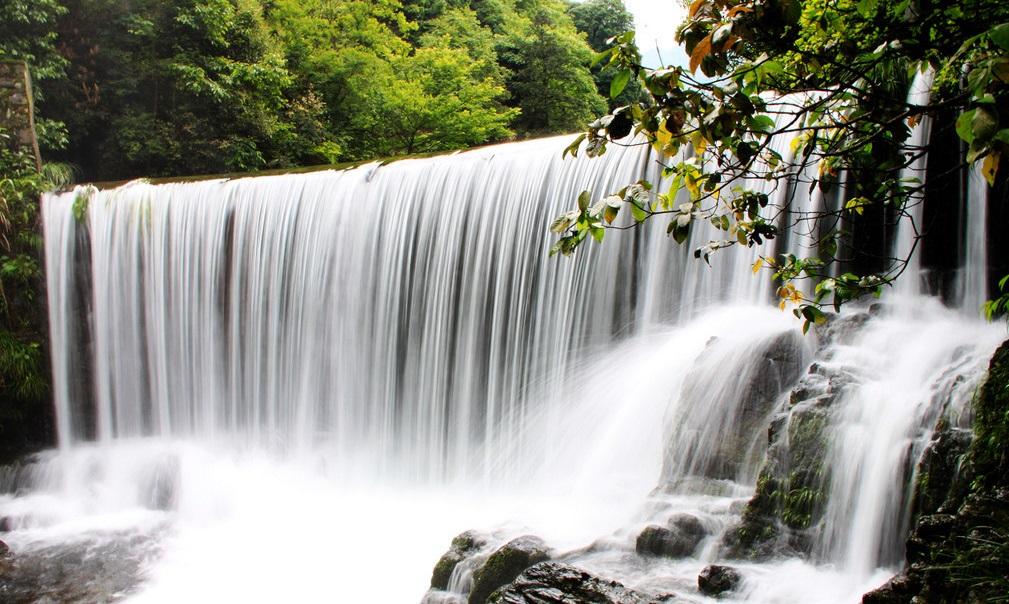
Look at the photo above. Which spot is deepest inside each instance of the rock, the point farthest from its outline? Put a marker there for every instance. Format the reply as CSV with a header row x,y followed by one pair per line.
x,y
715,580
5,549
463,546
688,525
6,524
898,590
792,485
555,583
661,541
505,565
747,407
961,503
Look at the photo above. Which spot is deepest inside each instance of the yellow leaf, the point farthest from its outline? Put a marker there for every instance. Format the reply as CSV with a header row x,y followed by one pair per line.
x,y
757,264
990,167
662,139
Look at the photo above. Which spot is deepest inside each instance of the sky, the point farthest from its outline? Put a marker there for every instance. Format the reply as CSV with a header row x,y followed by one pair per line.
x,y
656,22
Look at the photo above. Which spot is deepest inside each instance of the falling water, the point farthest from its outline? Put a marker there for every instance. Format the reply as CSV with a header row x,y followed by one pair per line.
x,y
301,387
909,228
972,278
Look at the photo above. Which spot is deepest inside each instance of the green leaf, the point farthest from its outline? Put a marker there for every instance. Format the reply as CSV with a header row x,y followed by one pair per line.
x,y
583,200
619,82
761,123
1000,35
638,213
985,124
573,147
680,233
964,126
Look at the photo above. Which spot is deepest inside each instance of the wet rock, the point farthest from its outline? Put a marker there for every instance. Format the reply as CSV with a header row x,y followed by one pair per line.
x,y
969,527
106,569
748,404
939,468
715,580
5,549
670,543
505,565
899,590
6,524
463,546
555,583
791,491
688,524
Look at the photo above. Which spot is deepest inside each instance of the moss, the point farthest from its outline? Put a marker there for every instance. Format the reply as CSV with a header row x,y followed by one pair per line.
x,y
990,452
505,564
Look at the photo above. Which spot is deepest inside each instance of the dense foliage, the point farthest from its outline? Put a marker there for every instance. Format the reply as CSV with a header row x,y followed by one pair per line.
x,y
153,88
829,79
23,368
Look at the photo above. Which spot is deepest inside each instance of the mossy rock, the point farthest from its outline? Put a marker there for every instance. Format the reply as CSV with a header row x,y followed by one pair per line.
x,y
463,546
505,565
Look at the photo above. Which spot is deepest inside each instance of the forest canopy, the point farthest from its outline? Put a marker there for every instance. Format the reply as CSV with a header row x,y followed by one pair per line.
x,y
181,87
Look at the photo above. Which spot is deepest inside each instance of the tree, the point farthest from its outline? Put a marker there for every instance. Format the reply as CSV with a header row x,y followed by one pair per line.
x,y
550,81
431,100
600,21
829,75
27,33
186,87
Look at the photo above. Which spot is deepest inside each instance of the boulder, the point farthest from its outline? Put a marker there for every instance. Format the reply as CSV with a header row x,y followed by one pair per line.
x,y
463,546
555,583
715,580
505,565
670,543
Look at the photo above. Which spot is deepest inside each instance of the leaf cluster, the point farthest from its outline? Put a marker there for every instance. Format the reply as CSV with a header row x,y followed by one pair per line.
x,y
789,97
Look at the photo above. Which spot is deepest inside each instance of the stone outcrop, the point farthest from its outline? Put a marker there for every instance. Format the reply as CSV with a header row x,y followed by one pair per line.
x,y
555,583
463,546
505,565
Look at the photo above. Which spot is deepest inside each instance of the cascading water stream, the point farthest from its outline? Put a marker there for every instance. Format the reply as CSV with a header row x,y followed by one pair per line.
x,y
347,368
910,227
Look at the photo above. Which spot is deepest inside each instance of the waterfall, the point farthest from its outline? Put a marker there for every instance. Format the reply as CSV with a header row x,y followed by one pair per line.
x,y
972,278
347,368
910,227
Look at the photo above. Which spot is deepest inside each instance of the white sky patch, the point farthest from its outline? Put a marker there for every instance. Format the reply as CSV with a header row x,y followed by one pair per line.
x,y
656,22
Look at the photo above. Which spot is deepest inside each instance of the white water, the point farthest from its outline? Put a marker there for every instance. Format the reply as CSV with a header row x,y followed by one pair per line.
x,y
910,227
340,371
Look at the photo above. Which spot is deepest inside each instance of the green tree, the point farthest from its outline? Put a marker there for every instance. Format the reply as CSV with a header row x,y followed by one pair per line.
x,y
828,75
428,101
28,33
601,21
550,80
25,416
186,87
